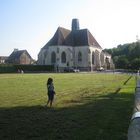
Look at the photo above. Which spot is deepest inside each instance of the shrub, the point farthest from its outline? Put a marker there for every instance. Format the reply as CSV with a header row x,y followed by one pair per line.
x,y
7,68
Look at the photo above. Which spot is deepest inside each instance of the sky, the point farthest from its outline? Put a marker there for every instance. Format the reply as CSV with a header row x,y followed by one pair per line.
x,y
30,24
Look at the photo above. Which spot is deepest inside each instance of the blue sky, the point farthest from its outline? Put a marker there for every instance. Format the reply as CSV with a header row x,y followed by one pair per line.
x,y
30,24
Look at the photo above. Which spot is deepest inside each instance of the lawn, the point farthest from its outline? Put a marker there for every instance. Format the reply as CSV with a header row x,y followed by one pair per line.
x,y
87,106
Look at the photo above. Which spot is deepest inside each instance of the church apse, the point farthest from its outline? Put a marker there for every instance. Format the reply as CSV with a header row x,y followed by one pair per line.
x,y
78,46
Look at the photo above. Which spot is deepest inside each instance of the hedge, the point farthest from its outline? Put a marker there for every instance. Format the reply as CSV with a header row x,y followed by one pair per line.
x,y
7,68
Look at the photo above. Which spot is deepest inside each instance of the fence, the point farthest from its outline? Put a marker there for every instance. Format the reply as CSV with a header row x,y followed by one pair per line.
x,y
134,127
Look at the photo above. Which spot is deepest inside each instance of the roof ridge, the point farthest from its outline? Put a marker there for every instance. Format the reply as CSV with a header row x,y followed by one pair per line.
x,y
95,41
79,37
63,28
63,32
60,31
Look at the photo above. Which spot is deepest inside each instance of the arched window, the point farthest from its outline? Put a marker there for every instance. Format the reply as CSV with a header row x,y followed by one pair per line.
x,y
93,58
53,57
107,63
63,57
44,58
79,57
102,58
97,58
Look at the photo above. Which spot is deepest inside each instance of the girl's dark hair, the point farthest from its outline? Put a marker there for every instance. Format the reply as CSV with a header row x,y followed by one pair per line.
x,y
50,80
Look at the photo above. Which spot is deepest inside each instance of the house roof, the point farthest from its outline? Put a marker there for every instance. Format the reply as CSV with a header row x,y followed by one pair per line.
x,y
16,55
72,38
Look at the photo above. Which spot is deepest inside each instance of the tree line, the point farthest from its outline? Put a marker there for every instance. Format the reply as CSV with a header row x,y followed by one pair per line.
x,y
126,56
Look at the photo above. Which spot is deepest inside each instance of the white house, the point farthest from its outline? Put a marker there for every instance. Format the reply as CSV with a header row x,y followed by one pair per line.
x,y
74,48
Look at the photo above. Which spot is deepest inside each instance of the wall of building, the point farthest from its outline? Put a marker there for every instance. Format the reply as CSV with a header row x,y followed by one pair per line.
x,y
24,59
83,50
95,62
87,62
58,50
2,59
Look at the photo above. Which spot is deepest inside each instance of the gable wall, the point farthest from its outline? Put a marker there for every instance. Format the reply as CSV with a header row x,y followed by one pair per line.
x,y
24,59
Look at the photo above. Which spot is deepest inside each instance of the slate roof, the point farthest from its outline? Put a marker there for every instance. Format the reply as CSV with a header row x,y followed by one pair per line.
x,y
67,37
60,37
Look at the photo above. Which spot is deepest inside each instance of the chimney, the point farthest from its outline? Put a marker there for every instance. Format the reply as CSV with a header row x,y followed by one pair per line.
x,y
15,49
75,24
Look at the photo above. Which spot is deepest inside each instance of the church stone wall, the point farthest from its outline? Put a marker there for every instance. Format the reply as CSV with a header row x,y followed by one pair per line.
x,y
84,56
97,60
58,50
41,57
87,61
69,56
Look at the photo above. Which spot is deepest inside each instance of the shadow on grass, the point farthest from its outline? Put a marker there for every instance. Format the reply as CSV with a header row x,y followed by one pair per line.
x,y
103,118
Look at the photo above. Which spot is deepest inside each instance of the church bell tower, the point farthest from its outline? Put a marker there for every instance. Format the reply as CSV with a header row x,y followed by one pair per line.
x,y
75,24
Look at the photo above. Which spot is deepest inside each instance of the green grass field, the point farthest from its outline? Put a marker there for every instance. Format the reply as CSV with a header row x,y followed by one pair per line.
x,y
87,106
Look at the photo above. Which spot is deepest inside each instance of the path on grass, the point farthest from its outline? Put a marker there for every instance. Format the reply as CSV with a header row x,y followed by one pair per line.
x,y
137,95
138,81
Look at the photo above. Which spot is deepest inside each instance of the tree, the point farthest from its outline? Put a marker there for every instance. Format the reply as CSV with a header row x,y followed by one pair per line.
x,y
135,64
126,55
122,62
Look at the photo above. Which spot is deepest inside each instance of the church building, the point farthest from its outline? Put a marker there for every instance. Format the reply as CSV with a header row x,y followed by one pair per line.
x,y
75,48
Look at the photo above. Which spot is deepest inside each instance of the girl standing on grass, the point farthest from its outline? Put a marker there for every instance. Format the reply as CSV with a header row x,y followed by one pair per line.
x,y
51,91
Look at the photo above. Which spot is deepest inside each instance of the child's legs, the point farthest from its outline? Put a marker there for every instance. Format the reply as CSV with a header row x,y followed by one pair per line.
x,y
48,101
50,98
51,101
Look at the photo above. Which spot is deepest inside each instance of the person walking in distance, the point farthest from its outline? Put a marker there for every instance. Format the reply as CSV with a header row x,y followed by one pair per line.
x,y
51,92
